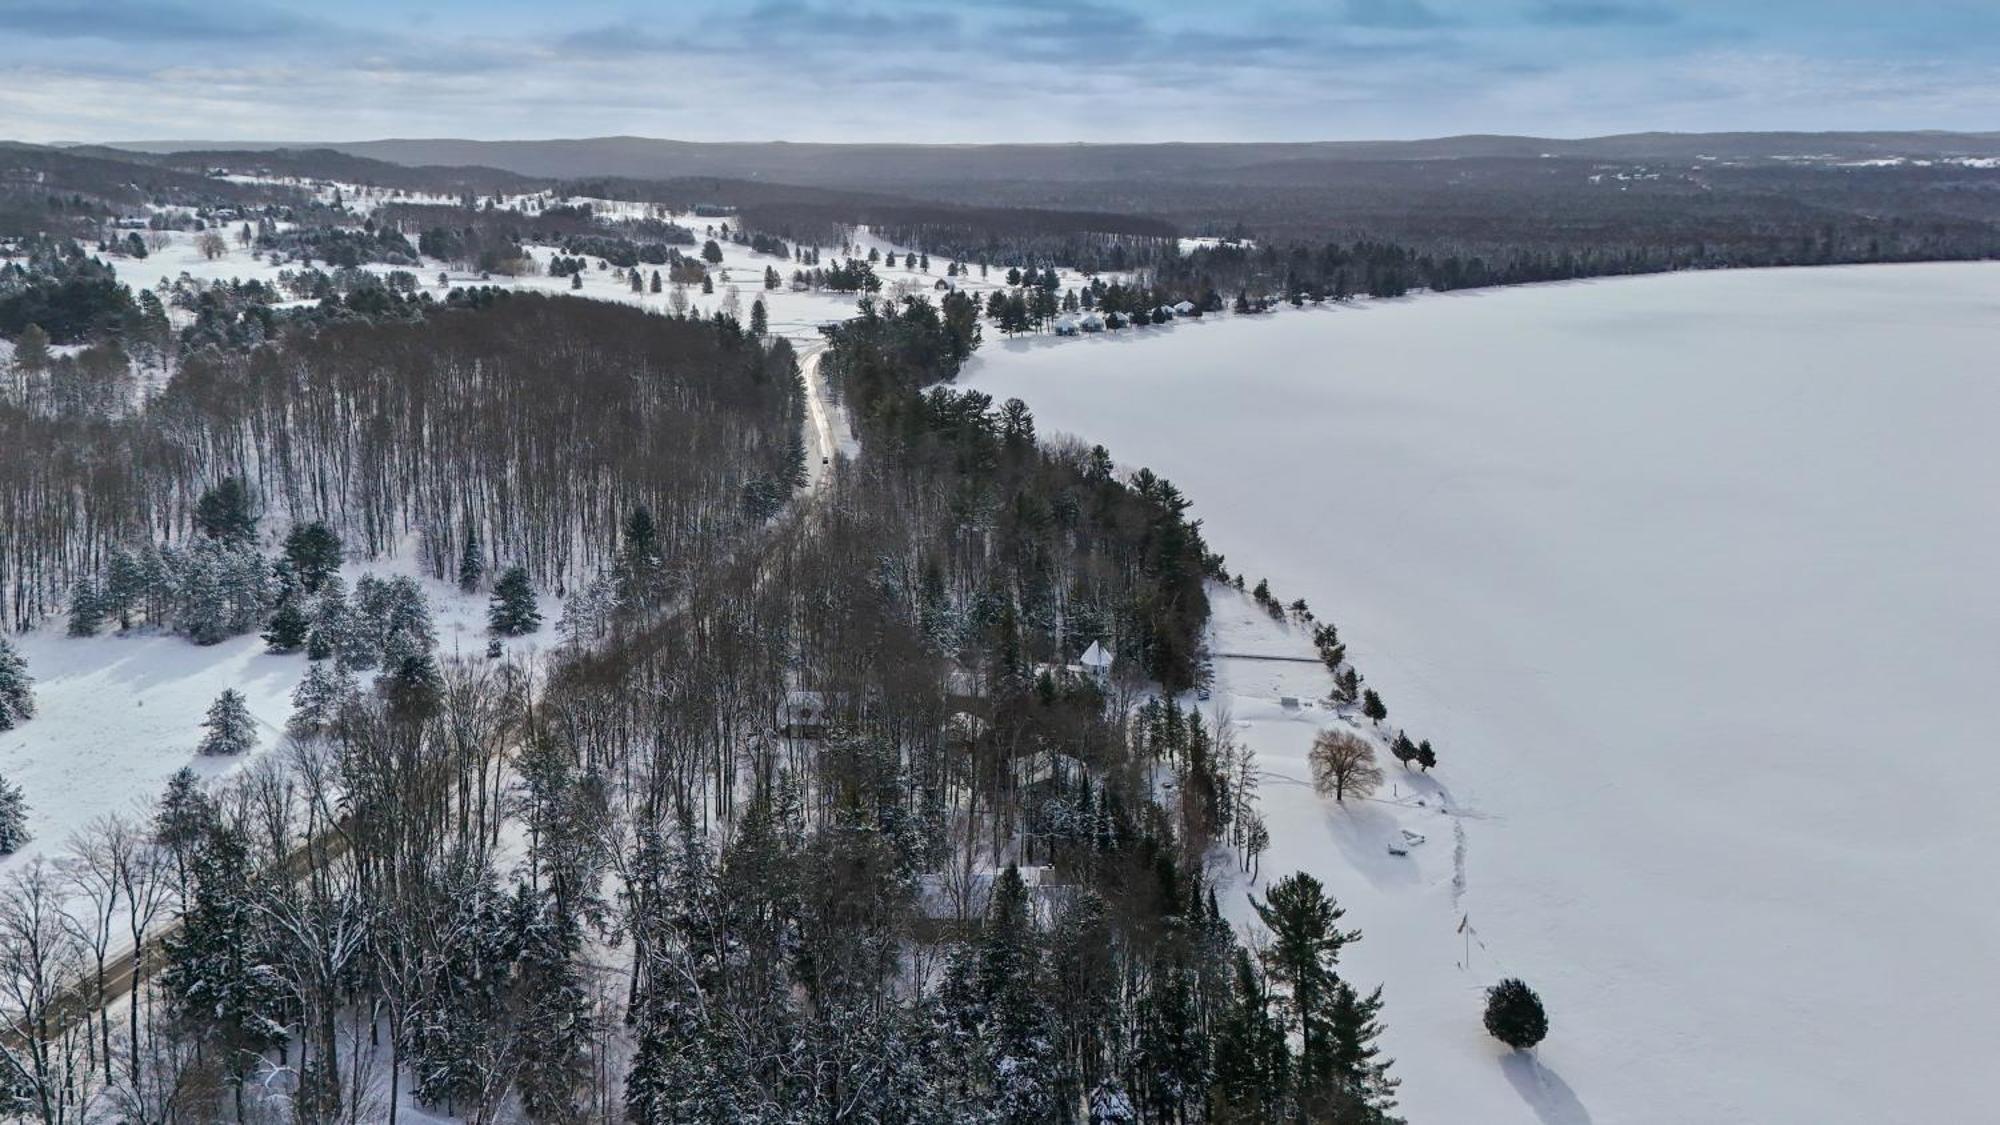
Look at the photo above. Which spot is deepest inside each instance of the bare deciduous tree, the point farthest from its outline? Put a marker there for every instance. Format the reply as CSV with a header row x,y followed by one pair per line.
x,y
1344,763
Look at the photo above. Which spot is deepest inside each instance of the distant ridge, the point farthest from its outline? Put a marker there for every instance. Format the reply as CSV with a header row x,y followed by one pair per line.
x,y
878,165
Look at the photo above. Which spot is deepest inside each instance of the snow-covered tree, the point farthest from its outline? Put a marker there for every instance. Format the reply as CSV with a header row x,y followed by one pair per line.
x,y
326,630
231,730
219,977
471,563
13,817
289,627
322,691
227,512
314,552
86,609
512,611
17,694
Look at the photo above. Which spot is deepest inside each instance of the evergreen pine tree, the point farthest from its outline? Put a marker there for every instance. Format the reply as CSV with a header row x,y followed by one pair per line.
x,y
1306,941
1016,1032
328,620
413,686
317,700
86,609
512,612
230,728
13,817
639,562
1252,1059
759,321
555,1028
125,582
314,552
471,563
1173,1050
1365,1091
404,614
218,977
226,512
1373,707
1514,1014
17,695
289,627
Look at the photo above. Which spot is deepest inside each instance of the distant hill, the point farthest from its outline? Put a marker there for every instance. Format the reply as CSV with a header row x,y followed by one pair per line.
x,y
320,163
904,166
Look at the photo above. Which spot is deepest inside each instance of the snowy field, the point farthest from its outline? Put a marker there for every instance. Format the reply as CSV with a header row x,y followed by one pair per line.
x,y
794,315
1691,579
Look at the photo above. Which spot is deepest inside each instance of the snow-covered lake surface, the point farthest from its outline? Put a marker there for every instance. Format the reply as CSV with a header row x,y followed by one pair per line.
x,y
1695,583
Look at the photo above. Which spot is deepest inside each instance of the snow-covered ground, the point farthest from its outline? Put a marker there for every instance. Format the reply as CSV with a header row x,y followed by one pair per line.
x,y
797,316
1691,581
116,716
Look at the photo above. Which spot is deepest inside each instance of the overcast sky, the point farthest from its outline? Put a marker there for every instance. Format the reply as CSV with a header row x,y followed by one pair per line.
x,y
988,70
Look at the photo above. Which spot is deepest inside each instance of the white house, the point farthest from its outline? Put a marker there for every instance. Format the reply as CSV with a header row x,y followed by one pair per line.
x,y
1096,661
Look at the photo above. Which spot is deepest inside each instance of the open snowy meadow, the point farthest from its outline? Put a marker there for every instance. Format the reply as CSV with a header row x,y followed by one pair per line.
x,y
1691,580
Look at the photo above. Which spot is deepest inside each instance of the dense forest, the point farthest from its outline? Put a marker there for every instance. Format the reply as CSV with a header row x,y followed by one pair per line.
x,y
516,420
812,818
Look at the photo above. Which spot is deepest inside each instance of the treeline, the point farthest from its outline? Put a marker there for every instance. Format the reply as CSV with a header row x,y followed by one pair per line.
x,y
530,422
71,296
1381,269
70,192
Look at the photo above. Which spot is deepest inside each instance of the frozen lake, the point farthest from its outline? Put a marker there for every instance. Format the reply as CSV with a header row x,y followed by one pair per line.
x,y
1695,582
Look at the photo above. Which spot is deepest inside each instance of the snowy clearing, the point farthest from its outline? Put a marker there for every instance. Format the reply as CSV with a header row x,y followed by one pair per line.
x,y
117,715
1683,575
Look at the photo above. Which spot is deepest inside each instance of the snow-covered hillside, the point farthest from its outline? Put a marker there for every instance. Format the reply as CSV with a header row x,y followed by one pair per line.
x,y
795,315
1690,579
116,715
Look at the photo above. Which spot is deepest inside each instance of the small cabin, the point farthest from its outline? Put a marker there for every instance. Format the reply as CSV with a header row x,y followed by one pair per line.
x,y
803,714
1096,662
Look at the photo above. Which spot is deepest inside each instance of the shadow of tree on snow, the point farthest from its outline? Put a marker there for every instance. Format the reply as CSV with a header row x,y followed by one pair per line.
x,y
1544,1090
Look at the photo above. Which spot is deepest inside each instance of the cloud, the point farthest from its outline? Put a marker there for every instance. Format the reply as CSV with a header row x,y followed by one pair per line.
x,y
1601,13
1406,14
983,70
144,21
